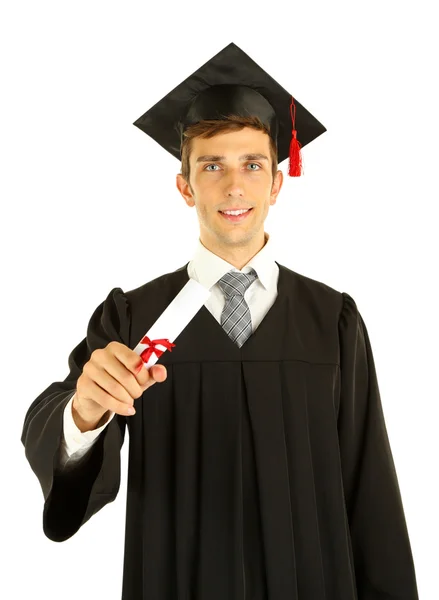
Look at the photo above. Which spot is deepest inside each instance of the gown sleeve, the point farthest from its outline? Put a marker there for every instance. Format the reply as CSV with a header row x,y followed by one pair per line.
x,y
72,497
380,542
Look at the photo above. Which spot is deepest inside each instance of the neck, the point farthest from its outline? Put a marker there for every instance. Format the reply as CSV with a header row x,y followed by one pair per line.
x,y
237,255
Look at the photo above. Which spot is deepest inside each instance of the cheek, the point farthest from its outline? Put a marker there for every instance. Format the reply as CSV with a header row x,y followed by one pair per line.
x,y
262,180
205,185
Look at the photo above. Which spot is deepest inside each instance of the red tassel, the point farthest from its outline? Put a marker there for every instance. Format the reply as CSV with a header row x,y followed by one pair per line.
x,y
295,165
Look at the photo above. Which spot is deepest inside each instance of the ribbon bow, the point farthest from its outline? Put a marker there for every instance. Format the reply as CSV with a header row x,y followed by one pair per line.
x,y
146,354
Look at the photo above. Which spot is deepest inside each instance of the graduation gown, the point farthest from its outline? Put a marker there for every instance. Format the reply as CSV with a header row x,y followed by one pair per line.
x,y
254,473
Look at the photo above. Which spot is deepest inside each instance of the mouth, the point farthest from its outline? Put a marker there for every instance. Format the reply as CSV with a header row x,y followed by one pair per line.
x,y
236,218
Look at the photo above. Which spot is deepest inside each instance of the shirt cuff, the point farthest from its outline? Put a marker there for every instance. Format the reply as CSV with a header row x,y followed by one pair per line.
x,y
74,438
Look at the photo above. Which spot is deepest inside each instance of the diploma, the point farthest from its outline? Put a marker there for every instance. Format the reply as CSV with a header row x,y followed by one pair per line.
x,y
171,322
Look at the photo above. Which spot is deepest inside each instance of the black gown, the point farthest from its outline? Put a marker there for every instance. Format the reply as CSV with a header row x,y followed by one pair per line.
x,y
255,473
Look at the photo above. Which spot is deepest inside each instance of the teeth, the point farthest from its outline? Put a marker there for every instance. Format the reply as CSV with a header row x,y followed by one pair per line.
x,y
235,212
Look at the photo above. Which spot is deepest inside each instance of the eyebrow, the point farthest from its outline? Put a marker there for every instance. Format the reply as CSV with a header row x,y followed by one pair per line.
x,y
217,157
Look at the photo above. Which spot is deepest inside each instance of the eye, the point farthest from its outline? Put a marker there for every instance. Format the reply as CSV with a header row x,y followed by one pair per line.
x,y
256,165
212,165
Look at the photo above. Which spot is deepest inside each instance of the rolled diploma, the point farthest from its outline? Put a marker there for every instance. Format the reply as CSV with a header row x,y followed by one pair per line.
x,y
175,317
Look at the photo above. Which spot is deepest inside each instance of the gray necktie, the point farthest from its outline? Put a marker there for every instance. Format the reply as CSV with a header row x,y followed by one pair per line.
x,y
235,318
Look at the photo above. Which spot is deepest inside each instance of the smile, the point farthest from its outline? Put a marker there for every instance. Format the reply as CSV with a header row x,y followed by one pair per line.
x,y
236,218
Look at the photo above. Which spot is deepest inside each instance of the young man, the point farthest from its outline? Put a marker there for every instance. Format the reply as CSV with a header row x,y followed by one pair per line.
x,y
259,461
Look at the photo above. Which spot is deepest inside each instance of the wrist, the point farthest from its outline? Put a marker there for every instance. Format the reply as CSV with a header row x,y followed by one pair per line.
x,y
86,422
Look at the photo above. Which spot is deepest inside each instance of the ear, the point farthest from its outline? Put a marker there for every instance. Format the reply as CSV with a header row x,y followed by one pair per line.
x,y
276,187
185,190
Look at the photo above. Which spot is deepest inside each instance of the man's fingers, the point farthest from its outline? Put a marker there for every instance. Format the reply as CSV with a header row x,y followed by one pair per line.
x,y
129,362
108,401
109,377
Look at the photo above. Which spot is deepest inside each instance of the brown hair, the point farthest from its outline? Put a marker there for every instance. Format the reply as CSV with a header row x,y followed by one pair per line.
x,y
209,128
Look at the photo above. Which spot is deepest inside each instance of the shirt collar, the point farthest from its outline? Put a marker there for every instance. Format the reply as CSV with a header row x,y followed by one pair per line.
x,y
208,268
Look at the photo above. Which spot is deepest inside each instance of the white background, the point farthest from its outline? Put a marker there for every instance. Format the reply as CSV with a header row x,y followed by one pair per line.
x,y
89,202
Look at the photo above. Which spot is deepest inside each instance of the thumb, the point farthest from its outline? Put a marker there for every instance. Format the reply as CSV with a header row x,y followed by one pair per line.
x,y
158,372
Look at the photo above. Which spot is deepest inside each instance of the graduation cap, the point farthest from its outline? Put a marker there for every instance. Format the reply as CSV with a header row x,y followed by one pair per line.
x,y
232,83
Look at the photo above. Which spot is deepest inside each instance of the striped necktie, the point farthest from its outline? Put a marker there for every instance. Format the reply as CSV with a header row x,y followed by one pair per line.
x,y
236,318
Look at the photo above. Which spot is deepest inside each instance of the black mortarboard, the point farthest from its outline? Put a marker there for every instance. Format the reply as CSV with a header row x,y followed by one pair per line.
x,y
232,83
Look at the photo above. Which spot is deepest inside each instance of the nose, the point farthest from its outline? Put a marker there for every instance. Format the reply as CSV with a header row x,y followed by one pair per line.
x,y
234,186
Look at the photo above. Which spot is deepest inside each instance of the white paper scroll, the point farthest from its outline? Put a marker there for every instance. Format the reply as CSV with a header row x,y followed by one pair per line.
x,y
175,317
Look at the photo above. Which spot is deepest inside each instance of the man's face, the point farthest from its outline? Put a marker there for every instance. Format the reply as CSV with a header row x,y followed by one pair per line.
x,y
224,177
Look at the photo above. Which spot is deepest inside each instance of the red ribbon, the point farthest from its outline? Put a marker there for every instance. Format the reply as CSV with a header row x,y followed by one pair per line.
x,y
146,354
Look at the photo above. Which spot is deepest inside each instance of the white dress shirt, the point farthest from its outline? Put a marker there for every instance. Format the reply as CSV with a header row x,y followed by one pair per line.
x,y
206,268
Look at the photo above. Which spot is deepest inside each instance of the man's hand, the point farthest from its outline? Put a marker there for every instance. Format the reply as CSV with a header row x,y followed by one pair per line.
x,y
111,380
